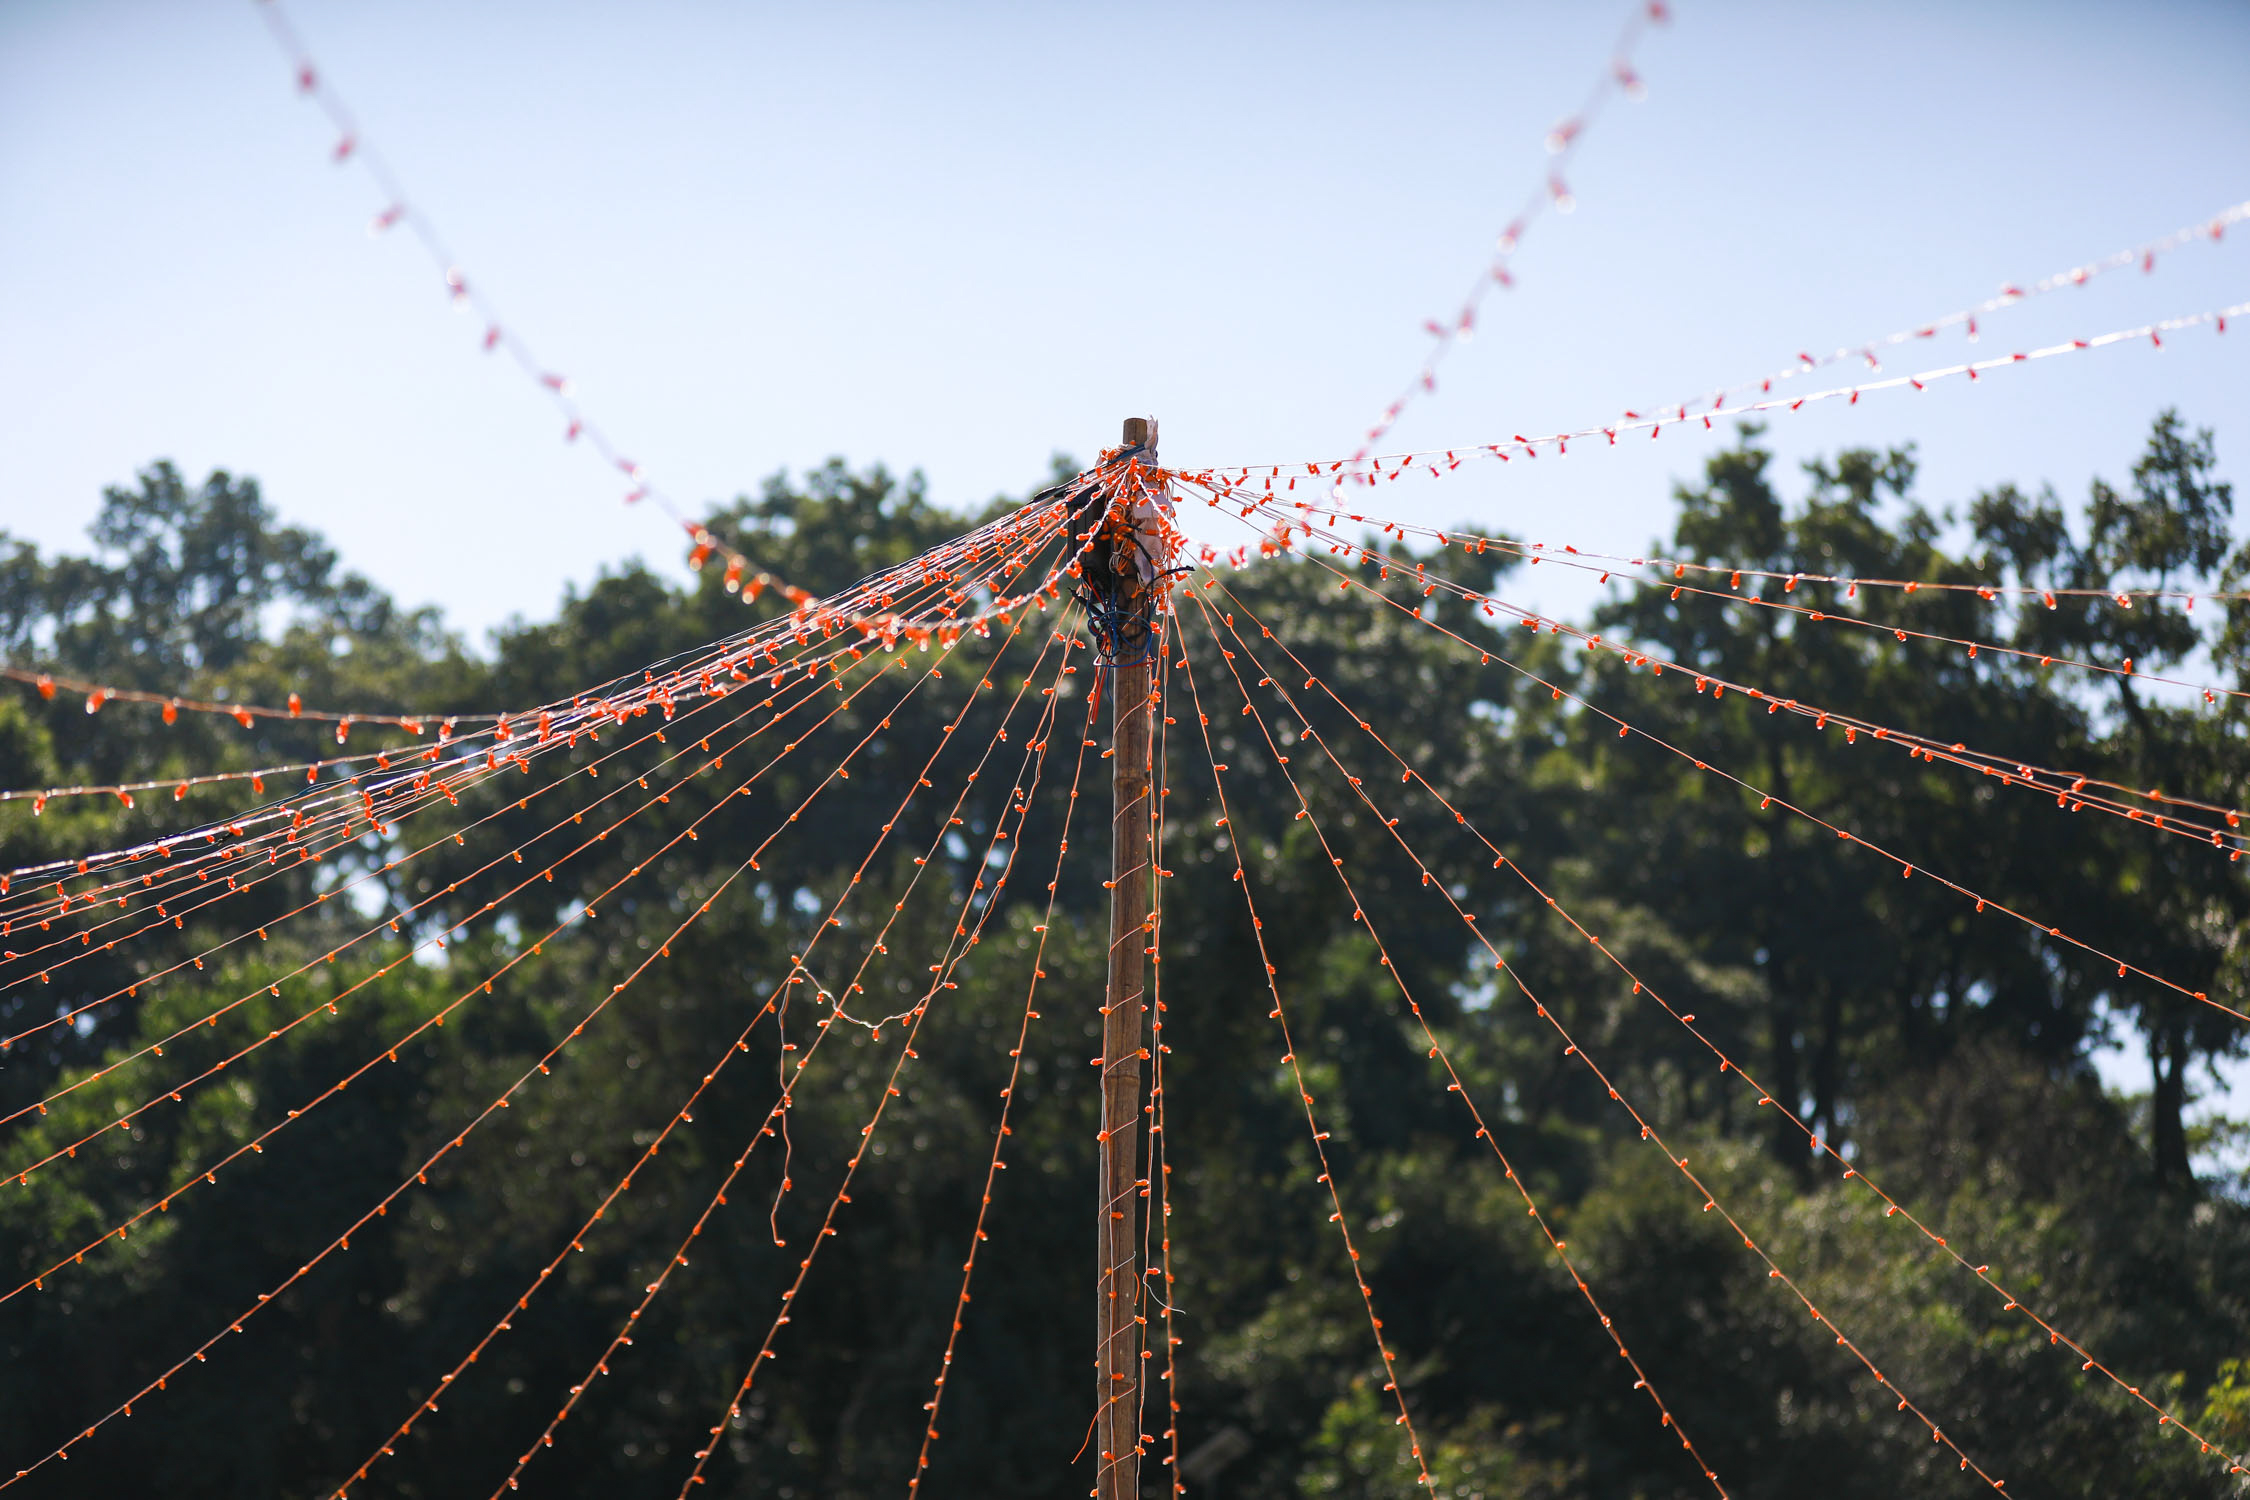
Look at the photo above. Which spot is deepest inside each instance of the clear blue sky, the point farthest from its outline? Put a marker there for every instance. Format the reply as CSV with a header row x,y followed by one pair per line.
x,y
962,238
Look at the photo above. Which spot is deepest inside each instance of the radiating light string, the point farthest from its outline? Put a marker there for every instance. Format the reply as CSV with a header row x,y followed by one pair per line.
x,y
1031,524
125,1119
195,961
1907,869
2211,231
1581,557
1034,760
349,805
1562,145
500,1102
1319,1137
2009,770
1820,1144
1001,1131
1473,542
1454,1085
587,912
1326,470
799,967
346,839
1648,1131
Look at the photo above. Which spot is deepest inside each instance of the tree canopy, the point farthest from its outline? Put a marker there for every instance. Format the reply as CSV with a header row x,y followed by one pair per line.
x,y
1945,1050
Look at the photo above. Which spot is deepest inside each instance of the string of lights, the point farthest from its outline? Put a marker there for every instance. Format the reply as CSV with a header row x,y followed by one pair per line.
x,y
1572,1048
501,1101
1819,1145
1001,1132
352,145
346,887
434,942
1770,800
2067,787
1438,463
586,911
958,943
2211,231
832,659
1454,1084
1586,560
1553,192
1296,1072
799,971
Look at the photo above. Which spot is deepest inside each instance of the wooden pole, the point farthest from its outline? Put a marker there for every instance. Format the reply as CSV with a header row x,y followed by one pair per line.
x,y
1117,1476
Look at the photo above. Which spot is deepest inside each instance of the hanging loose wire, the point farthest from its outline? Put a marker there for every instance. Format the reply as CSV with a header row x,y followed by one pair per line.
x,y
1000,1134
800,970
1296,1071
957,947
1573,1049
1666,1417
1821,1146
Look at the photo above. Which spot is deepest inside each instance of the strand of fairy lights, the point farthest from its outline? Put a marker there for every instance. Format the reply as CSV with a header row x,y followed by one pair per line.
x,y
1034,764
1648,1131
153,894
800,966
955,951
1562,144
1561,552
1906,867
1820,1145
420,1175
2009,770
2211,230
869,607
800,626
658,734
1159,1144
353,145
1289,1056
1571,557
593,770
587,912
1971,645
342,837
125,1119
995,1165
1518,444
1454,1085
550,735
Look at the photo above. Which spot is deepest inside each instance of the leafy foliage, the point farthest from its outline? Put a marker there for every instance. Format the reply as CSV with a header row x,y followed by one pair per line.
x,y
1949,1051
